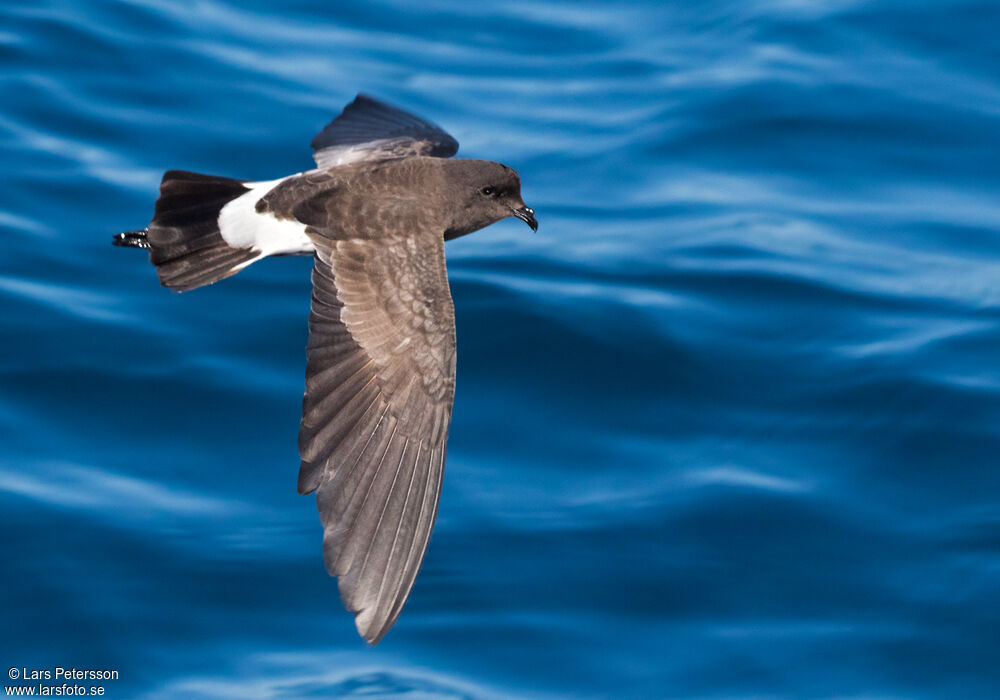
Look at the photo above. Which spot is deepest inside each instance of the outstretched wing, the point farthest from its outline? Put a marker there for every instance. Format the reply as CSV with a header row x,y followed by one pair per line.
x,y
380,381
371,130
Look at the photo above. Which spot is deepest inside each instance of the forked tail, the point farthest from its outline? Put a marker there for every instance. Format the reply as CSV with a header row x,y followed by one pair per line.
x,y
183,239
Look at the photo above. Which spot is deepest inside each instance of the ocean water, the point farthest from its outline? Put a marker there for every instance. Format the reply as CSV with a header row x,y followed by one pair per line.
x,y
727,426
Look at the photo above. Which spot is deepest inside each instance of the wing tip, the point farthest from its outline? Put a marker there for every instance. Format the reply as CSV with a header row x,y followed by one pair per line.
x,y
368,632
364,98
365,617
369,627
366,119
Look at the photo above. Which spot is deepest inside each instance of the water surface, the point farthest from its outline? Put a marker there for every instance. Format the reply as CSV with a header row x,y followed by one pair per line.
x,y
727,426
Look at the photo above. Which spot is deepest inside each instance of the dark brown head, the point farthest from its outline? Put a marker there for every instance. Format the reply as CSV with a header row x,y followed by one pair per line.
x,y
481,192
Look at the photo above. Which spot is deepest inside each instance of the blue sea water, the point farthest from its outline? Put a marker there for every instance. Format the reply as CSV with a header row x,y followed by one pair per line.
x,y
727,426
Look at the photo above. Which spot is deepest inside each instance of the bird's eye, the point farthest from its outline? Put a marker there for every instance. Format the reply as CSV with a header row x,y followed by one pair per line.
x,y
488,191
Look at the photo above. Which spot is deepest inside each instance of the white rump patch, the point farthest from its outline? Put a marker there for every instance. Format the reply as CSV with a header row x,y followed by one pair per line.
x,y
242,226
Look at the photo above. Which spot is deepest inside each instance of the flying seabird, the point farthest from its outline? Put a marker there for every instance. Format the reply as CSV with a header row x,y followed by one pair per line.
x,y
380,376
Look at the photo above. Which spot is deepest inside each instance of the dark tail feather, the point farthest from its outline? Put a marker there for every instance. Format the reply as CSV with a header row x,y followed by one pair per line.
x,y
183,239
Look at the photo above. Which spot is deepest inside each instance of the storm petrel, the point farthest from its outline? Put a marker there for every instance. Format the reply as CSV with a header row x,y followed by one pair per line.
x,y
380,375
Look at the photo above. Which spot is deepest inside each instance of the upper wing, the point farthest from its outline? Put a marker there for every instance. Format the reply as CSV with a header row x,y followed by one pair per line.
x,y
380,381
371,130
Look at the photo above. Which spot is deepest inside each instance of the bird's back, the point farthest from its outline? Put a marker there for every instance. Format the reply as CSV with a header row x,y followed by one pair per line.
x,y
365,200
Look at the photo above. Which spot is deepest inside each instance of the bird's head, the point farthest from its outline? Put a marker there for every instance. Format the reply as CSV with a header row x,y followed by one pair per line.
x,y
483,192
